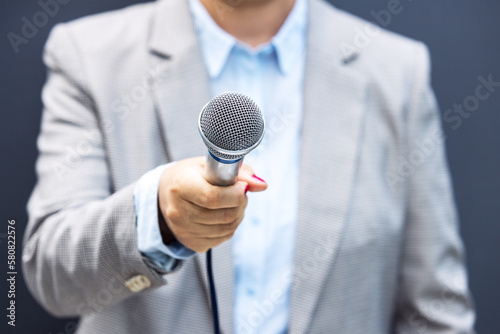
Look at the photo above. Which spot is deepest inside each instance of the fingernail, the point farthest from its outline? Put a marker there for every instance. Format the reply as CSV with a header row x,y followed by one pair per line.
x,y
246,189
258,178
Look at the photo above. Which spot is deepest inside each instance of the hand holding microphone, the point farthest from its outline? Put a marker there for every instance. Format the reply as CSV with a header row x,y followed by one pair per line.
x,y
200,215
203,200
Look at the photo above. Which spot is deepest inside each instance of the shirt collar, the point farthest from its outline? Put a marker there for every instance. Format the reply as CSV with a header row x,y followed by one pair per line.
x,y
216,44
290,41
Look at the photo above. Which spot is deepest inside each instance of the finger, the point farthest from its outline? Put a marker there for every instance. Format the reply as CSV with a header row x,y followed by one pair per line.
x,y
204,216
201,245
254,182
203,194
246,169
215,231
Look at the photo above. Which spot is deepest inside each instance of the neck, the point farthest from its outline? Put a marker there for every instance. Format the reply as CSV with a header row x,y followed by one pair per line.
x,y
253,22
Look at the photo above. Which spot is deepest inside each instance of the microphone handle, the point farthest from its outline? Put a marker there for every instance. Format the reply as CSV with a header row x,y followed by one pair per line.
x,y
220,172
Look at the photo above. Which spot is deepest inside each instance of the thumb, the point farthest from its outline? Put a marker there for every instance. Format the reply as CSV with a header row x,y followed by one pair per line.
x,y
254,182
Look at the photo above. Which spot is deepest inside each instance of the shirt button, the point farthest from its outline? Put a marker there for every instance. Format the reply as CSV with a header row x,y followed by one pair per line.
x,y
250,291
255,221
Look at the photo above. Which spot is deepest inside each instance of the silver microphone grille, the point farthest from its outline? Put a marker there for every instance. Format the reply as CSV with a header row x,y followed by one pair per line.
x,y
231,122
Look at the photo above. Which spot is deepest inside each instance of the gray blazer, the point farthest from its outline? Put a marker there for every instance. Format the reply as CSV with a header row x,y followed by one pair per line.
x,y
377,247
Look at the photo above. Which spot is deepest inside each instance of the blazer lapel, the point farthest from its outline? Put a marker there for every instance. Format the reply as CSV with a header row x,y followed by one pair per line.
x,y
334,105
180,89
180,86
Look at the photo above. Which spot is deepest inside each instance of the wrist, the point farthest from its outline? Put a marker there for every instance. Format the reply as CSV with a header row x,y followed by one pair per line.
x,y
167,235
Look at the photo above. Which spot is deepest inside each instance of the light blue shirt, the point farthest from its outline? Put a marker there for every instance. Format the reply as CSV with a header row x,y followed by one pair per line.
x,y
263,245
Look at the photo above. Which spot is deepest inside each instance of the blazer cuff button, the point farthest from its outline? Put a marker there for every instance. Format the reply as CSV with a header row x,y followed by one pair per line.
x,y
138,283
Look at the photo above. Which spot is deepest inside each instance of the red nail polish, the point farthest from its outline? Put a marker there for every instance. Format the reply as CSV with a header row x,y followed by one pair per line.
x,y
246,189
258,178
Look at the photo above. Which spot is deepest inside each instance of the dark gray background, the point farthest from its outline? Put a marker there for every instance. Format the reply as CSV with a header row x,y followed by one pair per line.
x,y
464,39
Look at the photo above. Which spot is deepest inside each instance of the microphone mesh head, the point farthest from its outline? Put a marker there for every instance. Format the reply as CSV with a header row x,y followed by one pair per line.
x,y
233,122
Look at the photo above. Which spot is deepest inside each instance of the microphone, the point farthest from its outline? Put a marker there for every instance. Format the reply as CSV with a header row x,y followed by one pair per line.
x,y
231,126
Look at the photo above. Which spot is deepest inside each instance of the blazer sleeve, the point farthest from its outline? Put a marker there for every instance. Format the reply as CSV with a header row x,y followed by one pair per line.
x,y
433,295
80,247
